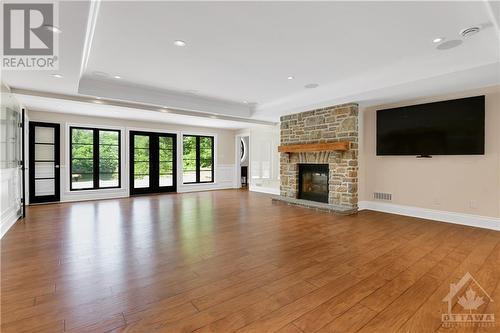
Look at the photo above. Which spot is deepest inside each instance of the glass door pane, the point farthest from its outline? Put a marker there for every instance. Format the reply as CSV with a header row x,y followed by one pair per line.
x,y
109,159
166,161
44,170
45,187
44,134
141,161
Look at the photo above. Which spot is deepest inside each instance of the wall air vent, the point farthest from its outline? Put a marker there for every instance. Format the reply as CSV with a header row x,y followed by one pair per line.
x,y
382,196
469,31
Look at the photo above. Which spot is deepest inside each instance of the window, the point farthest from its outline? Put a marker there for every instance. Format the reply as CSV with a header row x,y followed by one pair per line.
x,y
198,159
242,150
95,158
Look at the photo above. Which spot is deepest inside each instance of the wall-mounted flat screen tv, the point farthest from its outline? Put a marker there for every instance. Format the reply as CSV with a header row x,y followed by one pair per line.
x,y
454,127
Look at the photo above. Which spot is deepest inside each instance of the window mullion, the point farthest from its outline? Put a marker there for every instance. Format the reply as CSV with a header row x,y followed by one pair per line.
x,y
213,158
198,164
96,158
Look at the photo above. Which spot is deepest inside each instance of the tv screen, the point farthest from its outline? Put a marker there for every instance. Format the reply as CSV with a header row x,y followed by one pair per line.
x,y
454,127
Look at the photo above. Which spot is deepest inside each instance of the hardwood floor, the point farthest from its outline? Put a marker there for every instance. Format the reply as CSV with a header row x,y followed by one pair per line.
x,y
233,261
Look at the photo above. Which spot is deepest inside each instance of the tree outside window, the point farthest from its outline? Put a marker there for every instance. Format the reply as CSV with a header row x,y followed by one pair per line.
x,y
198,159
95,158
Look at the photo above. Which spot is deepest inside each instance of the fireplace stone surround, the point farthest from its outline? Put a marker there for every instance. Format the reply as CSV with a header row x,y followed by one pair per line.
x,y
330,124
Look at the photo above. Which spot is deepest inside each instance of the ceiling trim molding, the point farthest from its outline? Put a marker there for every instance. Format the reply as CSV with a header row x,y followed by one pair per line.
x,y
89,35
139,106
493,9
135,93
462,80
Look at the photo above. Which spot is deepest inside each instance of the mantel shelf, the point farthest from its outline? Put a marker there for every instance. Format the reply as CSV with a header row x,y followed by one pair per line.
x,y
314,147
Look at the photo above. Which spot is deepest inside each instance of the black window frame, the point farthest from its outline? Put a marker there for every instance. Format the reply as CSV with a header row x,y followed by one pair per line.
x,y
95,158
198,165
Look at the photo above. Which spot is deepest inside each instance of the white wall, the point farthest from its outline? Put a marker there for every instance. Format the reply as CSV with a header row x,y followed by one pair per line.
x,y
264,173
10,149
224,160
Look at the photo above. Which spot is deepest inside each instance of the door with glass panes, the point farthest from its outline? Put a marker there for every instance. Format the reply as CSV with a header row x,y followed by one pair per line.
x,y
43,162
152,162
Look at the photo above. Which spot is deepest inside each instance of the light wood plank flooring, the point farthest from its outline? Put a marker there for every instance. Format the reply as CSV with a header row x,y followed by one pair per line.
x,y
234,261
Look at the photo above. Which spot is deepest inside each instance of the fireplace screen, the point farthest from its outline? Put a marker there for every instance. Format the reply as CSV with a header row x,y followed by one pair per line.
x,y
313,182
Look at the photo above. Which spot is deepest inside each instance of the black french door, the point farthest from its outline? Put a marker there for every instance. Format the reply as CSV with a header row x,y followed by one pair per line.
x,y
44,175
153,162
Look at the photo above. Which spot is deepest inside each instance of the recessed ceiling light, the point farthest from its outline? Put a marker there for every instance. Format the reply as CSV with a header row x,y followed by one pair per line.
x,y
290,77
117,77
246,102
437,40
164,110
57,76
52,28
311,85
98,101
98,97
180,43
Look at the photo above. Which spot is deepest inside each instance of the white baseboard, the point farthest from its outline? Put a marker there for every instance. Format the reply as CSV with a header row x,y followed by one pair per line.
x,y
94,195
432,214
184,188
93,198
262,189
7,222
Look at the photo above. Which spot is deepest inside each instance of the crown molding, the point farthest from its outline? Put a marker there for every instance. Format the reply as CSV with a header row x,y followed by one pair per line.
x,y
135,93
139,106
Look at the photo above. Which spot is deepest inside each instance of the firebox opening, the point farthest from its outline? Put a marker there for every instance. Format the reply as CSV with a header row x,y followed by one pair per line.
x,y
313,182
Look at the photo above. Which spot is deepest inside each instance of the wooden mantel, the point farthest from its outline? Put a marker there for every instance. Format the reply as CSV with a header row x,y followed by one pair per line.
x,y
312,147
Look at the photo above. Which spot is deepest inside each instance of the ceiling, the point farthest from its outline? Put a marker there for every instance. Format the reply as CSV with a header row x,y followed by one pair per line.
x,y
239,55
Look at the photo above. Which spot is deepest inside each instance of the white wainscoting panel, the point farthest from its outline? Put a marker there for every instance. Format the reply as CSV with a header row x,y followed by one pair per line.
x,y
10,198
224,173
264,189
224,179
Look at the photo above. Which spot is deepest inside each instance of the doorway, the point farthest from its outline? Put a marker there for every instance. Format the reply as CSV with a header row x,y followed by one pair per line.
x,y
153,162
242,160
44,158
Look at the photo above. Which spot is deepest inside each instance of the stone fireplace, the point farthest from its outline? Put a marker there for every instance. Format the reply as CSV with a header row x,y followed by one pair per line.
x,y
326,125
